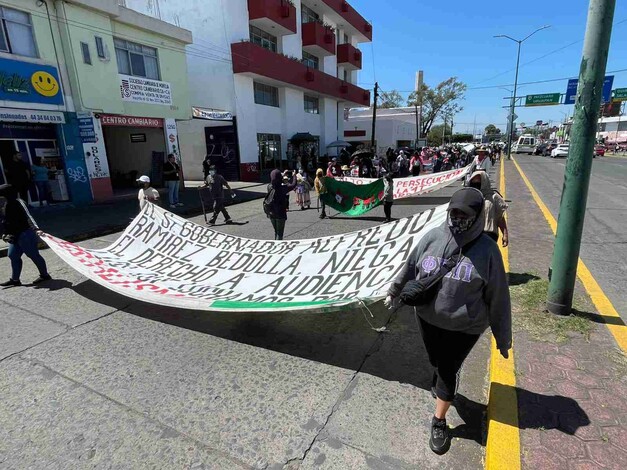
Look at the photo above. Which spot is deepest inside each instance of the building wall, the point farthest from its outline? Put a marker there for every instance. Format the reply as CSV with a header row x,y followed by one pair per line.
x,y
125,156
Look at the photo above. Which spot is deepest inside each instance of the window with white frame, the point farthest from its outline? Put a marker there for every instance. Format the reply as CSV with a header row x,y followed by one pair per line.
x,y
136,60
311,61
312,104
17,35
263,39
266,95
308,15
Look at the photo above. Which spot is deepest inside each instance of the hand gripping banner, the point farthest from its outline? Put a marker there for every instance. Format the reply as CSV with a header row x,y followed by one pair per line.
x,y
164,259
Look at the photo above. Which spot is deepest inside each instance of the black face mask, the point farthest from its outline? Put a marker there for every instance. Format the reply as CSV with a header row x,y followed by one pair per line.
x,y
475,185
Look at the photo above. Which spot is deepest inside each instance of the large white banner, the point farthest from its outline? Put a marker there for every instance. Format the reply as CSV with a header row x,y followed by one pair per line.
x,y
164,259
413,186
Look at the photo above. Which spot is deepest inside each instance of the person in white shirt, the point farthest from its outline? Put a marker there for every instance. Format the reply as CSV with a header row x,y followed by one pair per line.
x,y
481,162
146,192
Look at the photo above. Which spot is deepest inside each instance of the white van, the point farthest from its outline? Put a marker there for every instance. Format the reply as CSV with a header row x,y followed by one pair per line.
x,y
526,144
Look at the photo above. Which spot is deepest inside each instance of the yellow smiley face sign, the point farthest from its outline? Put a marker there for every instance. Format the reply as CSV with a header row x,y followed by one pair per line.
x,y
45,84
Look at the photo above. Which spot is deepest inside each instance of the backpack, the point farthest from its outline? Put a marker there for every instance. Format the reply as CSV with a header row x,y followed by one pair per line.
x,y
268,202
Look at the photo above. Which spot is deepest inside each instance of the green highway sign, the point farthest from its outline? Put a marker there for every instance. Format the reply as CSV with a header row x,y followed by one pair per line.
x,y
620,94
547,99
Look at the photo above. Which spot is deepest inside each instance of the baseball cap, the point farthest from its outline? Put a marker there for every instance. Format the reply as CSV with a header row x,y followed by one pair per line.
x,y
143,179
467,200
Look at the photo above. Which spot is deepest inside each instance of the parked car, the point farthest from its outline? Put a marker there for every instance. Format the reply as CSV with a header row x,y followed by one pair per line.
x,y
544,149
599,150
560,151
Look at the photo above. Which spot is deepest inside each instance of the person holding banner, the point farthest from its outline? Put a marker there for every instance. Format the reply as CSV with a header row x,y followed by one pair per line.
x,y
277,202
456,281
388,191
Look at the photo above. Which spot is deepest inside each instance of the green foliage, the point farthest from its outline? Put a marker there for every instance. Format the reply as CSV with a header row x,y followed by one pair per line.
x,y
391,99
440,101
491,129
434,137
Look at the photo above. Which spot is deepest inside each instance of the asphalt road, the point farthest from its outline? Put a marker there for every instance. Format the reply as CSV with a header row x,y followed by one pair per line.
x,y
91,379
604,244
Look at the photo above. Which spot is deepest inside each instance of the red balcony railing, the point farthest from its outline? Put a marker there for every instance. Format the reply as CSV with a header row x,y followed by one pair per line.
x,y
252,59
318,40
276,16
344,9
349,57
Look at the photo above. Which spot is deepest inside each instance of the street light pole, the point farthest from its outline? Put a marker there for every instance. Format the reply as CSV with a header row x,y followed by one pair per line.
x,y
513,106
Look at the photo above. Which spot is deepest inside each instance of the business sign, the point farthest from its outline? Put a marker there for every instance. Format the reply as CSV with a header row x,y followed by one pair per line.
x,y
31,115
546,99
165,259
571,90
86,129
172,137
620,94
30,83
129,121
145,90
211,114
94,148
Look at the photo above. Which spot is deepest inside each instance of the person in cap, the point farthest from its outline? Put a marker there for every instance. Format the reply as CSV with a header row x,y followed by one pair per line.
x,y
456,280
346,171
494,207
147,194
216,184
21,233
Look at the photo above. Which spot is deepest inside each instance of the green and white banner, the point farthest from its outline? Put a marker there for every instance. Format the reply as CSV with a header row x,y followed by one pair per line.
x,y
164,259
353,199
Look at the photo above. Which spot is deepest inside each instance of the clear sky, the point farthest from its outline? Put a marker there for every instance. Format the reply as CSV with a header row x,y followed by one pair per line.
x,y
455,38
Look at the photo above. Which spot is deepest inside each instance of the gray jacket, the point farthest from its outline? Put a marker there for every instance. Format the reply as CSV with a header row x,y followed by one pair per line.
x,y
474,295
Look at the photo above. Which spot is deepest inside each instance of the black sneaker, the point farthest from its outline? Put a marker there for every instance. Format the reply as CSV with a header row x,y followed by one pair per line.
x,y
323,215
228,222
211,223
42,278
440,441
11,283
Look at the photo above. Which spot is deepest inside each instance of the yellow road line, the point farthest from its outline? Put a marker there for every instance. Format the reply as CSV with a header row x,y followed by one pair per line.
x,y
599,299
503,446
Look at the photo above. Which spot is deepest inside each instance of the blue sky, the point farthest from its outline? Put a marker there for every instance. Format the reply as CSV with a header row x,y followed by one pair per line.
x,y
455,38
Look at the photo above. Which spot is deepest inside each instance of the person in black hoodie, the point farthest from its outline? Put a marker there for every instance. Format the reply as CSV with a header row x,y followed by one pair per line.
x,y
20,232
472,295
278,204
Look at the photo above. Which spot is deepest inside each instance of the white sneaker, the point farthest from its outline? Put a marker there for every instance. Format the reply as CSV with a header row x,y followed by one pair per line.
x,y
172,206
180,204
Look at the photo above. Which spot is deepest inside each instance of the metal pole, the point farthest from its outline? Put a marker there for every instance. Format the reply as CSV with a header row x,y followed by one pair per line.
x,y
509,143
563,271
374,117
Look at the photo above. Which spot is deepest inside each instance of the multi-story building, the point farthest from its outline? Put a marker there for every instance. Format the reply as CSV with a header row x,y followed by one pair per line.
x,y
269,79
103,87
395,128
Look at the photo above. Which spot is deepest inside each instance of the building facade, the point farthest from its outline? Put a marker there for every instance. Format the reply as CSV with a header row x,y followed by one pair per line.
x,y
269,80
395,128
107,88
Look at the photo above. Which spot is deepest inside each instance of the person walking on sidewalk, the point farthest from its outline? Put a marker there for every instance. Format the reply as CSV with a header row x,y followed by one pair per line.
x,y
321,189
42,181
147,194
275,203
216,184
494,207
20,232
456,280
19,175
388,192
171,173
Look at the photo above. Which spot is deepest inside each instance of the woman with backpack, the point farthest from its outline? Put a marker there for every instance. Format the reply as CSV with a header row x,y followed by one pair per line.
x,y
275,203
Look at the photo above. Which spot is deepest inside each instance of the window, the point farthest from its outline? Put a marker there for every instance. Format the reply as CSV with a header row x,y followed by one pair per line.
x,y
100,49
312,105
311,61
135,59
308,15
269,146
266,95
86,53
16,36
263,39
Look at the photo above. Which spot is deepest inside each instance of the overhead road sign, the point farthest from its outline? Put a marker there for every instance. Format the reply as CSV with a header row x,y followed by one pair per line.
x,y
547,99
620,94
571,90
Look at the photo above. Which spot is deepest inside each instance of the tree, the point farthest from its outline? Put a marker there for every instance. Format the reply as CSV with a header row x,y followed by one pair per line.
x,y
392,99
434,137
491,129
438,101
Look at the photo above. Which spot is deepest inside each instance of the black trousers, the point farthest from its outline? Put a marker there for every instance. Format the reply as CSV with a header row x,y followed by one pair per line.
x,y
218,206
493,236
447,351
387,209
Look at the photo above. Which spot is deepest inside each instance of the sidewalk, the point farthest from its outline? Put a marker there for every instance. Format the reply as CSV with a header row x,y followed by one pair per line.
x,y
80,223
571,376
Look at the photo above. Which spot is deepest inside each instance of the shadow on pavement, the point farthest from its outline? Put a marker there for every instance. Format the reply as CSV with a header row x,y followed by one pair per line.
x,y
518,279
597,318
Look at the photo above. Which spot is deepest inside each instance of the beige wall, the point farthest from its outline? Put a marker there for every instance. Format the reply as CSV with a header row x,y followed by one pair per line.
x,y
125,156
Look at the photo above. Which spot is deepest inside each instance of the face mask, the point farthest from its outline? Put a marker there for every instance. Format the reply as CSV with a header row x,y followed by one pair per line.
x,y
212,173
475,185
458,225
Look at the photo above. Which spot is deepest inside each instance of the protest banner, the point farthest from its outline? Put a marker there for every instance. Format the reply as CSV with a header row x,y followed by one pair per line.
x,y
164,259
352,199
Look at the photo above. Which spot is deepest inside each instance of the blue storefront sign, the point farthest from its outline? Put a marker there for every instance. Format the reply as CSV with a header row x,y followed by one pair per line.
x,y
86,130
571,90
29,83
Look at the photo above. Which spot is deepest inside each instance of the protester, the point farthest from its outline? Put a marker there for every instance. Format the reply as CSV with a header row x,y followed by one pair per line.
x,y
456,280
147,194
388,194
206,165
346,171
303,200
171,173
494,208
42,182
19,175
481,161
20,232
320,190
414,164
334,169
275,203
216,184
